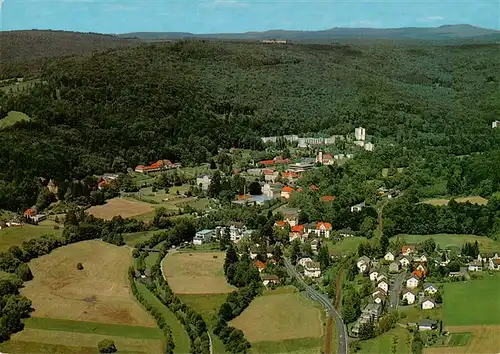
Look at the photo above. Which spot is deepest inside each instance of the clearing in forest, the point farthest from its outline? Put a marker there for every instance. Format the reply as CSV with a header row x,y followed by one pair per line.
x,y
98,293
12,118
118,206
473,200
196,273
276,318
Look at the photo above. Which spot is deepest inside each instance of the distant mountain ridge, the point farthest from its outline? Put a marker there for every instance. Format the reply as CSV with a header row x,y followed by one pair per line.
x,y
445,32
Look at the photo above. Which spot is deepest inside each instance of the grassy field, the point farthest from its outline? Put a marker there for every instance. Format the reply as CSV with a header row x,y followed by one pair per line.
x,y
133,238
473,199
181,338
455,241
119,206
481,339
205,304
349,244
459,339
281,317
12,118
383,344
196,273
295,346
16,235
98,293
473,302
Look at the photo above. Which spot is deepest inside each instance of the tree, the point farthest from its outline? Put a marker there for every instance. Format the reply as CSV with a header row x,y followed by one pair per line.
x,y
429,246
439,298
106,346
324,257
294,251
213,166
454,266
23,271
231,258
383,244
225,239
368,226
79,266
366,331
254,188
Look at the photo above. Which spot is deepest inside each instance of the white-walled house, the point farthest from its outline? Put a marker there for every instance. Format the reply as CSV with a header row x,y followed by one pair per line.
x,y
430,289
389,256
312,270
204,181
475,266
302,262
405,261
428,304
363,263
373,274
383,285
202,236
409,296
421,259
412,282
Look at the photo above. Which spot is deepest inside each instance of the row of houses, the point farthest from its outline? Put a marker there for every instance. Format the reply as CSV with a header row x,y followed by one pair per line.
x,y
157,166
312,269
304,142
484,262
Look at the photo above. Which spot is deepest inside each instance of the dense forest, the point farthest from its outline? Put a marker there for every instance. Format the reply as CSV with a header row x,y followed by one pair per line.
x,y
425,105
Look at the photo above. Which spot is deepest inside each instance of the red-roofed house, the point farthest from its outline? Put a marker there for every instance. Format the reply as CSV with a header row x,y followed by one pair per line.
x,y
102,184
313,188
154,167
299,189
30,212
419,274
290,176
270,175
406,250
328,198
322,229
280,223
260,265
286,191
297,232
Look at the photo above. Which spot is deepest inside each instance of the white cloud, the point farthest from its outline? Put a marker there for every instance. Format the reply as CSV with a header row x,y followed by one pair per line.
x,y
431,18
364,23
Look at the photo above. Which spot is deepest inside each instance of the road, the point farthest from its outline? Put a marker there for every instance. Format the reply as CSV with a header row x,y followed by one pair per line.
x,y
323,300
396,290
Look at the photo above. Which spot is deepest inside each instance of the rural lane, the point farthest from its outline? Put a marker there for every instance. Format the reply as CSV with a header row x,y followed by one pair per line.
x,y
396,290
323,300
164,277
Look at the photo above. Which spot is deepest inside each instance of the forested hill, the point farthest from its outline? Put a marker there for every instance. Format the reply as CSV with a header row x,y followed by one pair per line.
x,y
23,53
183,100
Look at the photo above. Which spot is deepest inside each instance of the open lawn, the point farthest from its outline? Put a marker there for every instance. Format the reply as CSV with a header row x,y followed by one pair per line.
x,y
98,293
473,199
12,118
475,302
36,340
133,238
196,273
281,317
16,235
119,206
204,304
295,346
346,245
484,340
455,241
181,338
384,343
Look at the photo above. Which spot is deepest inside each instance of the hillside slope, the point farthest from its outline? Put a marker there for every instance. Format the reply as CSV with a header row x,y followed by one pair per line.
x,y
184,100
23,53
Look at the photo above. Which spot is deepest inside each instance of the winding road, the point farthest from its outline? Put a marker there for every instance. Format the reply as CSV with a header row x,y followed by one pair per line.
x,y
323,300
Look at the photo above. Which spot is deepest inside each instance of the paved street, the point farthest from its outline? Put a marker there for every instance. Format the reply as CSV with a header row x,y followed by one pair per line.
x,y
395,290
323,300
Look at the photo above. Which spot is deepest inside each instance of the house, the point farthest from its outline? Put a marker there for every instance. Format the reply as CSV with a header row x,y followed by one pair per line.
x,y
260,266
495,124
360,133
383,285
312,270
52,187
271,176
154,167
420,274
286,192
357,207
363,264
381,277
373,274
297,231
405,261
494,264
378,299
321,229
421,268
302,262
290,176
346,233
271,190
204,181
394,267
428,304
280,224
372,310
291,216
427,325
409,296
420,259
406,250
475,266
369,146
455,274
389,256
327,198
270,279
326,159
251,199
379,291
202,236
314,245
412,282
430,289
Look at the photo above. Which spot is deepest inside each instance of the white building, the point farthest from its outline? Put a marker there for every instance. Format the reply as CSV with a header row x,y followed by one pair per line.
x,y
389,256
373,274
495,124
428,304
369,147
202,236
409,296
360,133
269,139
405,261
383,285
357,208
204,181
412,282
302,262
312,270
363,263
430,289
359,143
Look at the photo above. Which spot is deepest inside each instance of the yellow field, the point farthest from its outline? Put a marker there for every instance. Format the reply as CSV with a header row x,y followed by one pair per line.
x,y
35,337
98,293
196,273
280,317
16,235
118,206
473,200
485,340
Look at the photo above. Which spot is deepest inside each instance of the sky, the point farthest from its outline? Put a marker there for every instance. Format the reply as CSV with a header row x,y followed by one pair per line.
x,y
216,16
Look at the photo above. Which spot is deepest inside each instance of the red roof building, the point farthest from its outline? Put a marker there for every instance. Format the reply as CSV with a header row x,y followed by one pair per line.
x,y
280,223
260,266
328,198
298,229
313,188
30,212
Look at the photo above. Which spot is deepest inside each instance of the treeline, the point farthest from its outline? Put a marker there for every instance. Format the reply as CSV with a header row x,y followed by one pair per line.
x,y
160,320
406,215
13,308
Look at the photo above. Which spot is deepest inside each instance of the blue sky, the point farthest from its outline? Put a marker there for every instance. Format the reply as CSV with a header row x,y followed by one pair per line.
x,y
209,16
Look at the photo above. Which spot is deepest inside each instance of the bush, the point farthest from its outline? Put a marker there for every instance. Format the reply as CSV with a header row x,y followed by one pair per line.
x,y
79,266
106,346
